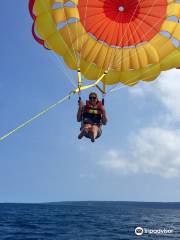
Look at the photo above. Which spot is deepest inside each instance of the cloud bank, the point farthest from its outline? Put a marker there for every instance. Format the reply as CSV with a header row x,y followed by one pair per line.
x,y
154,149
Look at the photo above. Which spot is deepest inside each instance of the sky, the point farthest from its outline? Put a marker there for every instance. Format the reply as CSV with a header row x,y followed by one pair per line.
x,y
136,159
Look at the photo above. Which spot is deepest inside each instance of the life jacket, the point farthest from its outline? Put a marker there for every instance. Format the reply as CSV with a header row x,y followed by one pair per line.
x,y
92,114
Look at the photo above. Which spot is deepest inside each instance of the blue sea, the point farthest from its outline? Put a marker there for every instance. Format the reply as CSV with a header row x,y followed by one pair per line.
x,y
89,221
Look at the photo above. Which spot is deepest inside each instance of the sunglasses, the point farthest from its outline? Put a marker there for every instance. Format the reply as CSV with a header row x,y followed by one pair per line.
x,y
92,98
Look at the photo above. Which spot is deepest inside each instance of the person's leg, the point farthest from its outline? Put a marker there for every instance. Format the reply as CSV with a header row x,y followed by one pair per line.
x,y
89,133
95,130
84,131
99,132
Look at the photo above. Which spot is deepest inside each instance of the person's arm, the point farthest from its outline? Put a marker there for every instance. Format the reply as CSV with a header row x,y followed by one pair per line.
x,y
104,117
80,111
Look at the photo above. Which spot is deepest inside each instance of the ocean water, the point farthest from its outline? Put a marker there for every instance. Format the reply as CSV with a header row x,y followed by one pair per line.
x,y
89,221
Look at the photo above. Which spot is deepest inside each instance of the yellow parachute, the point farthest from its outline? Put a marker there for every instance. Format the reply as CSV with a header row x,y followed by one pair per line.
x,y
131,40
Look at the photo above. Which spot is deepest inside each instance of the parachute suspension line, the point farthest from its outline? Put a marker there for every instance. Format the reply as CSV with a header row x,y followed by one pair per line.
x,y
102,90
28,122
74,51
122,86
104,93
81,87
79,83
62,67
76,32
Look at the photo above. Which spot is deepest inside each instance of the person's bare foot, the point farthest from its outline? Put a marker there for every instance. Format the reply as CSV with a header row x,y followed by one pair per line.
x,y
81,135
92,139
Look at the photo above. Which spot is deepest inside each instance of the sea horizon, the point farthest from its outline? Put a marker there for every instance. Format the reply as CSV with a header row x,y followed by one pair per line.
x,y
93,201
78,220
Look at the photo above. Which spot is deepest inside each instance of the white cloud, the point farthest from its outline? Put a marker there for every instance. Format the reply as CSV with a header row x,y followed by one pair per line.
x,y
114,160
137,91
152,151
166,89
169,92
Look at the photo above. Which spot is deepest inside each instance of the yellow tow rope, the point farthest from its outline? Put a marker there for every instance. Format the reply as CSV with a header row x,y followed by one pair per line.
x,y
77,90
35,117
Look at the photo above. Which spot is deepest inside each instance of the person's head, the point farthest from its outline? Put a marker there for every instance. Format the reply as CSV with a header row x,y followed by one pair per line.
x,y
93,98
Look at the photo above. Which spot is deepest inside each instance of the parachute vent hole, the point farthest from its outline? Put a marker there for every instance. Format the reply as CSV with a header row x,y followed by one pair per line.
x,y
173,19
69,4
61,25
165,34
121,8
61,5
64,24
175,42
57,5
73,20
115,46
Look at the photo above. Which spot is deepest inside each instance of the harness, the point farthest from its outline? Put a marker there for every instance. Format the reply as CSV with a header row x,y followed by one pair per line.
x,y
92,114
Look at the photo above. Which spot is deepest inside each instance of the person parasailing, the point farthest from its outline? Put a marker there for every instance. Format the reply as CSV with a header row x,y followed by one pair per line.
x,y
92,116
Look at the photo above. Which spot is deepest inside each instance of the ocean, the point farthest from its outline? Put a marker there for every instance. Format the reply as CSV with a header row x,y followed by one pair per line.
x,y
90,221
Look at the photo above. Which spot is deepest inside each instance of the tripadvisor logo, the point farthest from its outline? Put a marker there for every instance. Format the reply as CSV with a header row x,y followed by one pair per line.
x,y
139,231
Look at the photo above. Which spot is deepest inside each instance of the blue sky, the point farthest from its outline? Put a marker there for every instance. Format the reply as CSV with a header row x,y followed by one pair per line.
x,y
137,158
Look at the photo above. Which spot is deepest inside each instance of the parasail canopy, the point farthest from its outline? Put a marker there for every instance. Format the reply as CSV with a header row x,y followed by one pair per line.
x,y
131,40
